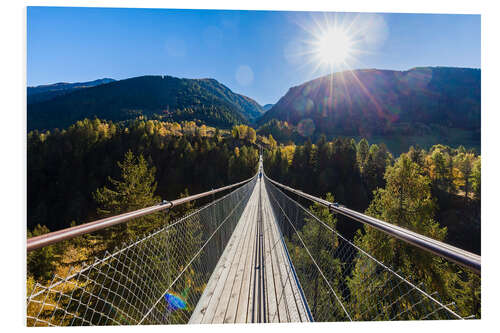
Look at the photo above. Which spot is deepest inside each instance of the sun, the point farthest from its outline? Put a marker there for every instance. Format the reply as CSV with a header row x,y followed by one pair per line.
x,y
333,47
333,43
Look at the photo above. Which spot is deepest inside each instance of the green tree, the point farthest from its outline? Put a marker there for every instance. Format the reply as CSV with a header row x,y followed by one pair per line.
x,y
407,202
417,155
375,165
41,263
321,243
440,168
362,153
134,190
464,163
217,135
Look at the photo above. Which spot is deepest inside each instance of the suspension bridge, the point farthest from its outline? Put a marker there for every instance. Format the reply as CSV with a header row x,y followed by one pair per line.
x,y
254,255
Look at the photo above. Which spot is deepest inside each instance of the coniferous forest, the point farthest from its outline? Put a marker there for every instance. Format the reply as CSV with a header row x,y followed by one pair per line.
x,y
357,172
88,171
97,168
66,167
435,192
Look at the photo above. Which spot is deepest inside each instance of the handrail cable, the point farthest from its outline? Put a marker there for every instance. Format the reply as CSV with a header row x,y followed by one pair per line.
x,y
190,261
109,255
315,263
441,249
399,276
38,242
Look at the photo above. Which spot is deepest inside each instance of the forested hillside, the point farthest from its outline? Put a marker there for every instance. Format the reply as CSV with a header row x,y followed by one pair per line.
x,y
48,91
355,172
66,167
423,106
159,97
435,192
98,168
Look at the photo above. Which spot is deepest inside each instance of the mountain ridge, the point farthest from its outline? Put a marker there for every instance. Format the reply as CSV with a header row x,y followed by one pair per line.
x,y
48,86
371,101
267,107
160,96
46,92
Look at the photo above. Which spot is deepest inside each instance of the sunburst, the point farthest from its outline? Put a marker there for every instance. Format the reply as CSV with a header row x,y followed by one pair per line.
x,y
333,47
334,42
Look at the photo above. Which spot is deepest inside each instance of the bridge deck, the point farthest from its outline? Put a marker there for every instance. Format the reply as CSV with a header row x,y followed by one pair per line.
x,y
253,280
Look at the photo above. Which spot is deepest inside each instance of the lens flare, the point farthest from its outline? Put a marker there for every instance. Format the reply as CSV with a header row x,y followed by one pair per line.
x,y
174,302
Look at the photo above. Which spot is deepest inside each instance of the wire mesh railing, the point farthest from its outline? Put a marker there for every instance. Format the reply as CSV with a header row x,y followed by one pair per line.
x,y
155,280
342,282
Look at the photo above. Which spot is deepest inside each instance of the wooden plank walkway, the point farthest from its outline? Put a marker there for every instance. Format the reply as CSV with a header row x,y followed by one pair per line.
x,y
253,280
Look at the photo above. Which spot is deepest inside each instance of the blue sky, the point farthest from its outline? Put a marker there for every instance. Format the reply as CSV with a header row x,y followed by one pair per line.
x,y
260,54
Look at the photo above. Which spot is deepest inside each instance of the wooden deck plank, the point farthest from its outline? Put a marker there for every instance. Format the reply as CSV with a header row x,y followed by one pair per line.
x,y
237,292
244,297
279,276
298,312
212,306
205,299
229,295
295,304
223,302
271,263
249,314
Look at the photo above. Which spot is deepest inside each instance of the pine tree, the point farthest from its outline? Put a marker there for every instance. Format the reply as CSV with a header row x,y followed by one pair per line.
x,y
465,166
134,190
440,168
405,201
375,166
417,155
362,153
